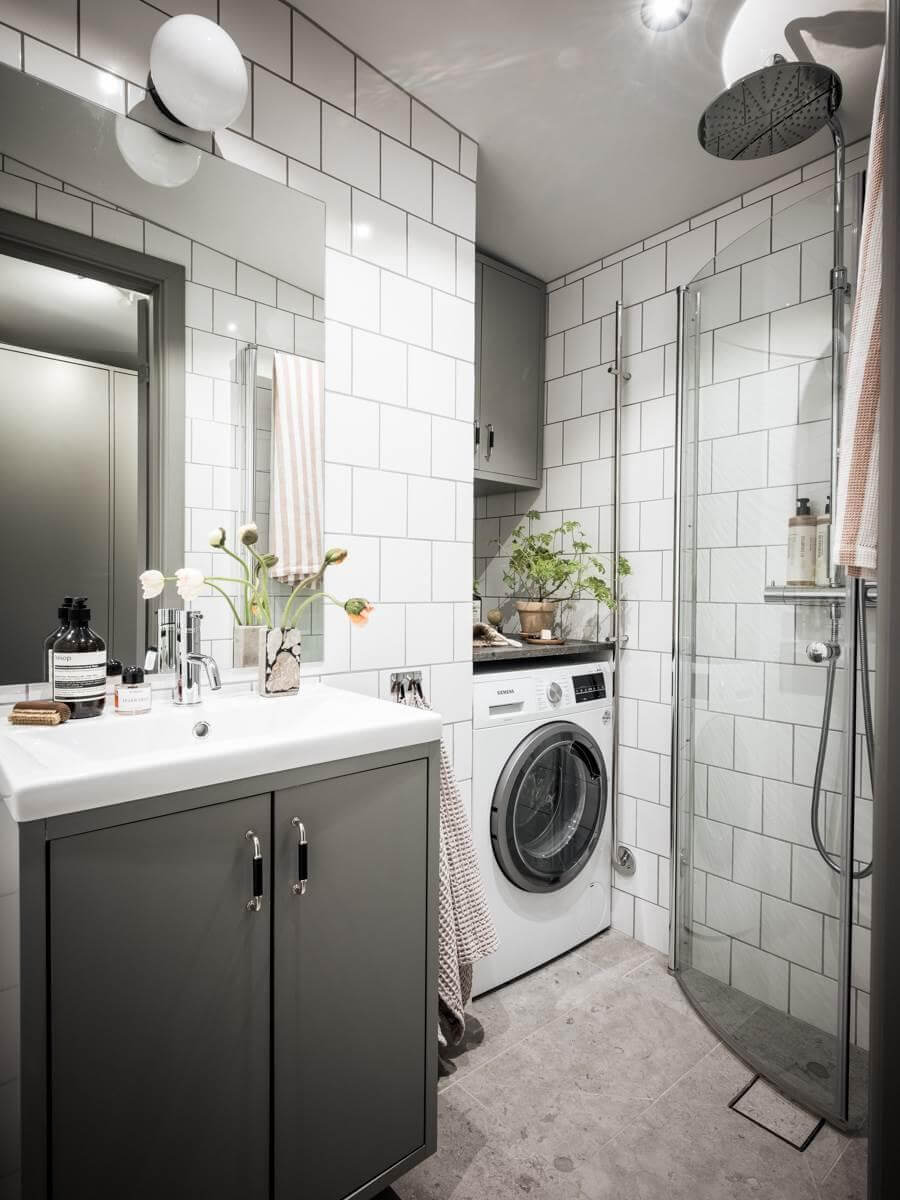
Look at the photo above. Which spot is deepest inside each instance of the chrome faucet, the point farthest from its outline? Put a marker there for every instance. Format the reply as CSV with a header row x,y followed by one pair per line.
x,y
189,659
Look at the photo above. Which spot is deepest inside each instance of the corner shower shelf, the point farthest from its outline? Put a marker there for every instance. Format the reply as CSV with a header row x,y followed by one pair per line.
x,y
815,595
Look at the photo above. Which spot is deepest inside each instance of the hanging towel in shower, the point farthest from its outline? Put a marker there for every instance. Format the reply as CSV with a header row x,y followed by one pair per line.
x,y
296,507
856,520
466,931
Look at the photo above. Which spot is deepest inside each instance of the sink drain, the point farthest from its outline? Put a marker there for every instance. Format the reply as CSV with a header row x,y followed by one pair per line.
x,y
201,729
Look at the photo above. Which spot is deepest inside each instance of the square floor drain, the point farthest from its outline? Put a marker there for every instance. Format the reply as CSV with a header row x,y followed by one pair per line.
x,y
760,1103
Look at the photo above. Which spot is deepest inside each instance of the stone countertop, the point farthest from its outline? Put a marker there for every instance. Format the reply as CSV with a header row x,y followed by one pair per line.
x,y
532,652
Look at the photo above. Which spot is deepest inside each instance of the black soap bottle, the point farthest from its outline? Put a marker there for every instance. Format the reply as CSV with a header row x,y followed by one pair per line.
x,y
63,613
79,664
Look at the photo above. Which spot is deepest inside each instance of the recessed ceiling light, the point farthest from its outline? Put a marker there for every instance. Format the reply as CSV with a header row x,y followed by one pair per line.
x,y
660,15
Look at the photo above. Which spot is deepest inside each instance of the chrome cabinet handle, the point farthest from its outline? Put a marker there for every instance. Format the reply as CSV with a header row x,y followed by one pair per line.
x,y
477,435
490,448
299,888
254,904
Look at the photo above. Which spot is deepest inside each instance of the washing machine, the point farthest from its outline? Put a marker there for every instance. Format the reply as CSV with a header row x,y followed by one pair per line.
x,y
540,811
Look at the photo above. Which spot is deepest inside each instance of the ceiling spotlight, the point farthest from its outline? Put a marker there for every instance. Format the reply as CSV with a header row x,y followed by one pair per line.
x,y
197,75
660,15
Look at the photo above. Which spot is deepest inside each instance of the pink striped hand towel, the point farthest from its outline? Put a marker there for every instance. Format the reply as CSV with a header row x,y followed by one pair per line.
x,y
856,524
296,508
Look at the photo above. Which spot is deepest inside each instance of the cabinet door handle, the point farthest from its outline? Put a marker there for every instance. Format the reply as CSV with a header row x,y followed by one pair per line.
x,y
254,904
477,435
299,888
490,449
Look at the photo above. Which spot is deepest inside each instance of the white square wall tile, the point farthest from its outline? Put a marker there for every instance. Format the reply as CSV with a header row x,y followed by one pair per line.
x,y
352,288
451,449
451,691
350,150
760,975
601,291
405,178
432,255
432,381
581,439
468,157
337,505
54,21
379,503
769,400
733,909
800,453
659,321
582,346
334,194
644,275
381,103
263,32
380,643
688,254
434,137
405,310
351,430
564,397
802,331
465,269
73,75
379,368
564,487
405,440
379,232
451,569
286,118
454,326
454,202
431,508
763,748
429,633
564,308
739,462
405,570
770,283
741,349
322,65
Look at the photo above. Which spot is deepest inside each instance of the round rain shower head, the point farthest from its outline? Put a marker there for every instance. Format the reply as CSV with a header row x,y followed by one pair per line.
x,y
771,110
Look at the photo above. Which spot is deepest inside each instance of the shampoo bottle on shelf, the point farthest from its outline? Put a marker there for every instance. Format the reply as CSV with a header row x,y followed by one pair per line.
x,y
823,546
801,547
79,664
63,613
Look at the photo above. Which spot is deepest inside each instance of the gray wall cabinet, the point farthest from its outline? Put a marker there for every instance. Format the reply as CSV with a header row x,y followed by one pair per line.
x,y
509,377
178,1041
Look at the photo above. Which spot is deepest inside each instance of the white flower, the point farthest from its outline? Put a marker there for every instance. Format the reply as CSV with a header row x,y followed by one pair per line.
x,y
216,537
248,534
152,582
190,583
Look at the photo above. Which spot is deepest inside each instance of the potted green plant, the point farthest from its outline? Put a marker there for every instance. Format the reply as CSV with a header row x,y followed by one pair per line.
x,y
540,573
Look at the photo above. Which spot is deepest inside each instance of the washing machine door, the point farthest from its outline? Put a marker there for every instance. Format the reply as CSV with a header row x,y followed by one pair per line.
x,y
549,807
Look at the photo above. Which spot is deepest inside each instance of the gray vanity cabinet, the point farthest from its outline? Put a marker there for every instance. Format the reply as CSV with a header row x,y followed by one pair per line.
x,y
350,985
509,377
159,1008
179,1041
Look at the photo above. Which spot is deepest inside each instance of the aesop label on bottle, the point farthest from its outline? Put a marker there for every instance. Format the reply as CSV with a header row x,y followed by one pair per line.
x,y
79,676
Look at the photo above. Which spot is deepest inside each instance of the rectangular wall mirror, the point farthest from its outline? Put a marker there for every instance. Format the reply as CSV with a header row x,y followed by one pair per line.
x,y
149,293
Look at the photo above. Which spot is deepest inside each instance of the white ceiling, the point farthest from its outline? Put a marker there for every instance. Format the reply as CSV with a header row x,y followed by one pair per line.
x,y
586,121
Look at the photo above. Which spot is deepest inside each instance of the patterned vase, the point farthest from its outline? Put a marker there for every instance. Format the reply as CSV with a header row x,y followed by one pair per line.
x,y
249,641
279,666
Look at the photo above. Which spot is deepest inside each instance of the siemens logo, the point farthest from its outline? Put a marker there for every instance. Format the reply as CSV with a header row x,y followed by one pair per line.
x,y
505,692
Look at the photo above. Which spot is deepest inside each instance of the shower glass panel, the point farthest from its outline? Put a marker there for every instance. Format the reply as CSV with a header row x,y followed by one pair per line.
x,y
770,943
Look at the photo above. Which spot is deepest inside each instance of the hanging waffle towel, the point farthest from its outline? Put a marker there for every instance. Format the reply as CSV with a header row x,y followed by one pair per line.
x,y
856,521
296,508
465,927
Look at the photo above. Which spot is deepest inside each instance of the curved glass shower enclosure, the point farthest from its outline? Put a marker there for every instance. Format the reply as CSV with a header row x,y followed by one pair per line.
x,y
770,940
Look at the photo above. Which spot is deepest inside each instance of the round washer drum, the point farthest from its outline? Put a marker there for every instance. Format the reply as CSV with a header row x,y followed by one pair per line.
x,y
549,807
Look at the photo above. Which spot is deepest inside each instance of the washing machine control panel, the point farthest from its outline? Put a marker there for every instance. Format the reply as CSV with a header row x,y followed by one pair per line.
x,y
589,687
554,693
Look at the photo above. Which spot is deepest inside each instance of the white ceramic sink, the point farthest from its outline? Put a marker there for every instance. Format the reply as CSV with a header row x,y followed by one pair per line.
x,y
112,759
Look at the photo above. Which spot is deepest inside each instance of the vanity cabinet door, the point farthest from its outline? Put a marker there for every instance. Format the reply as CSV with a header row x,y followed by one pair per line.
x,y
159,1008
355,1018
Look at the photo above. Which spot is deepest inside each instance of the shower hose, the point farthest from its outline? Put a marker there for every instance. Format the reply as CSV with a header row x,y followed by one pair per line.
x,y
866,690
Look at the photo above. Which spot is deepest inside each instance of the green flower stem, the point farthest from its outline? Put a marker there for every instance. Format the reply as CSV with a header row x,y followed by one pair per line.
x,y
240,562
227,600
263,579
304,583
308,600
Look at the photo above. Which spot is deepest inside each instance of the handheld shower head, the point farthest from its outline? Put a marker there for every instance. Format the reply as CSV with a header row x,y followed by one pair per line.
x,y
770,110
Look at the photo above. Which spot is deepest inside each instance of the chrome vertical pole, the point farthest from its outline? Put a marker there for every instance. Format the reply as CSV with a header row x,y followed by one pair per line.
x,y
839,291
249,385
845,904
622,858
675,749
